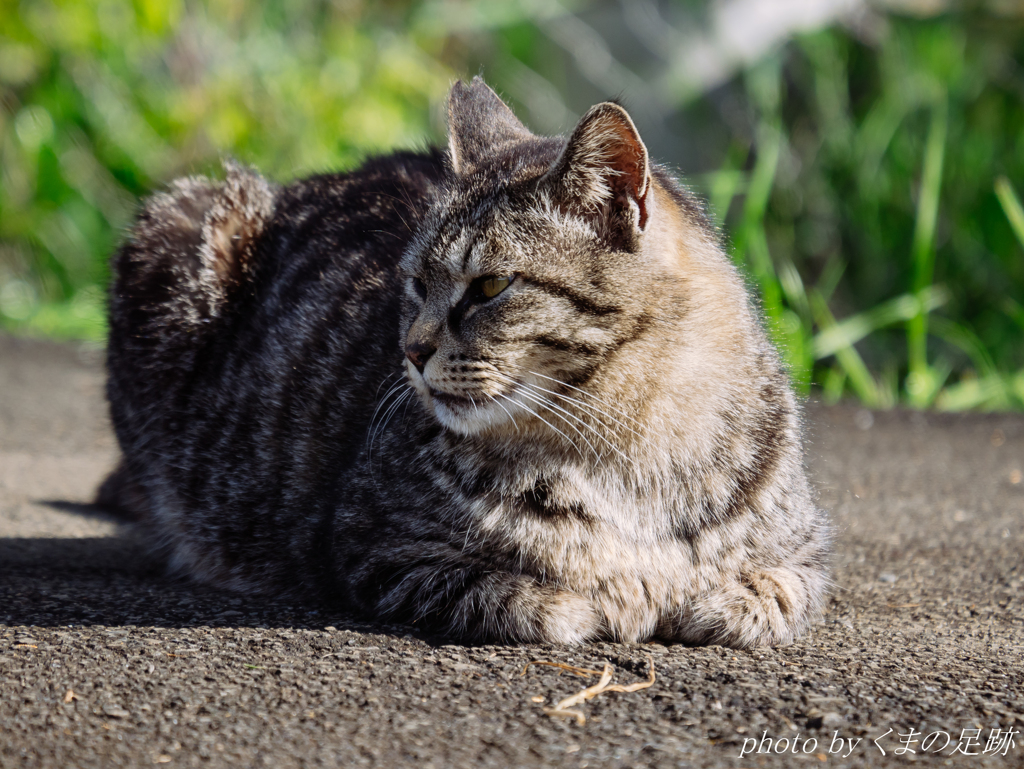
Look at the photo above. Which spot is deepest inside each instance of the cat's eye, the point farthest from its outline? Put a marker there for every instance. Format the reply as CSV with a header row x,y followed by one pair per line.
x,y
493,285
480,290
421,289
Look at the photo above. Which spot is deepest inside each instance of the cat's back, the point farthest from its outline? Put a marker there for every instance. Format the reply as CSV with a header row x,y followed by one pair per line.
x,y
349,222
251,324
211,264
324,279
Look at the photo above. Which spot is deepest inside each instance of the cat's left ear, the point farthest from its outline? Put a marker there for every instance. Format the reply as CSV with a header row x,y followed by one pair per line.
x,y
479,123
604,170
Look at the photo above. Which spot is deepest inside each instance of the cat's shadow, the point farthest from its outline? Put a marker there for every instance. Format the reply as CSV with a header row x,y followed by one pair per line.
x,y
81,509
116,581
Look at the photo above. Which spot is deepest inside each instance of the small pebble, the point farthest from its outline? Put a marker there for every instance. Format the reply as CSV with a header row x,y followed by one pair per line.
x,y
832,719
115,711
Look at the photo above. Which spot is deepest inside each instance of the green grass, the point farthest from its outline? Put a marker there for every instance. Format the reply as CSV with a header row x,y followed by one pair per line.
x,y
894,153
101,103
869,187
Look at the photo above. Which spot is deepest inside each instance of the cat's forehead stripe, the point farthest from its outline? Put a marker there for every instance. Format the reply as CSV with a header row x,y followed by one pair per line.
x,y
473,254
456,251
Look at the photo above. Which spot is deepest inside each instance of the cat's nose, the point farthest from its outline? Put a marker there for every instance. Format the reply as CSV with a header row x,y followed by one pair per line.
x,y
419,353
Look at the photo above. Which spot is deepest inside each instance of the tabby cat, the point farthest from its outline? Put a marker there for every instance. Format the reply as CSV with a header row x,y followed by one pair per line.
x,y
509,391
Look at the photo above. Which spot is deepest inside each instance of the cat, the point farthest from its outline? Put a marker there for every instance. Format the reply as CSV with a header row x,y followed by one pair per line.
x,y
508,391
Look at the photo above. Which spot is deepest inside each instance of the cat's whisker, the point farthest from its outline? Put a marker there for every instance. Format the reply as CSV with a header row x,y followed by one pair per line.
x,y
391,391
385,380
543,403
497,403
611,445
521,388
546,403
396,404
542,419
406,201
388,413
596,432
593,410
371,429
408,402
380,405
589,395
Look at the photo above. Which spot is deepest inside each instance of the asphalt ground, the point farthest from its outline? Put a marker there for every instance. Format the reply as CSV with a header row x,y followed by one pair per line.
x,y
104,661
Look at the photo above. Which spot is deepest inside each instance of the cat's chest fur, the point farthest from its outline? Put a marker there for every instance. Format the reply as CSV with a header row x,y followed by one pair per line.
x,y
606,530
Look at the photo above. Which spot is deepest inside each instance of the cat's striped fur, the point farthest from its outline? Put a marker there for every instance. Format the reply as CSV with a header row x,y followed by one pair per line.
x,y
514,391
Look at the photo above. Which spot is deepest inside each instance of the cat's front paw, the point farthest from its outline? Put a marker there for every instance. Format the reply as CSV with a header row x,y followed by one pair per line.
x,y
760,608
494,606
569,618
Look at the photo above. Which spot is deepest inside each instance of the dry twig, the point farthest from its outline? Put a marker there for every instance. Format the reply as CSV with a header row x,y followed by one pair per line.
x,y
563,709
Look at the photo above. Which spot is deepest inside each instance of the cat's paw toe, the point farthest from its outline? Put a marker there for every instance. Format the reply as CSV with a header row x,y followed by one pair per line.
x,y
761,608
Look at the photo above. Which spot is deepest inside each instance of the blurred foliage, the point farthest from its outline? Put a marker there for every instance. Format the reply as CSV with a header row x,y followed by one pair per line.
x,y
878,189
102,102
895,147
867,177
899,190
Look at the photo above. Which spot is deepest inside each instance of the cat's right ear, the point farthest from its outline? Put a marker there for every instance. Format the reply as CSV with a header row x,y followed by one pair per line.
x,y
605,173
479,123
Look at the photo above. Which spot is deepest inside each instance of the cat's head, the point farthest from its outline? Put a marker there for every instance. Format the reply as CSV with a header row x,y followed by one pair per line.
x,y
541,264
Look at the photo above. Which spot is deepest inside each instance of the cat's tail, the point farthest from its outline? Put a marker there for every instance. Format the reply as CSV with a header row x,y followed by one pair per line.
x,y
190,251
184,263
122,495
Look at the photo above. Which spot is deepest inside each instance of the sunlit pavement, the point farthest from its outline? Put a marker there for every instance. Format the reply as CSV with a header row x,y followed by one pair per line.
x,y
106,661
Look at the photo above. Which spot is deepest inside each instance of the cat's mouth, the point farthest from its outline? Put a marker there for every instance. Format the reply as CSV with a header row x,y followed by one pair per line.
x,y
467,414
452,401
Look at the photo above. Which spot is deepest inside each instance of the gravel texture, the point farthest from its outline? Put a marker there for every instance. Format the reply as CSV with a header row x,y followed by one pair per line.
x,y
104,661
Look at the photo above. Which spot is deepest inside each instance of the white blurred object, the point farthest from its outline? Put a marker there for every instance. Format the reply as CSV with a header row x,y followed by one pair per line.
x,y
740,33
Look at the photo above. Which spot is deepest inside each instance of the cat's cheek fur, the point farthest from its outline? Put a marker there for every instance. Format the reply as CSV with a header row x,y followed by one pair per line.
x,y
464,419
471,419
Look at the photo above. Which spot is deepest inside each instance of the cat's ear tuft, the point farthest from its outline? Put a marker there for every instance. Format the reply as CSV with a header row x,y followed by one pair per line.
x,y
479,123
604,170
